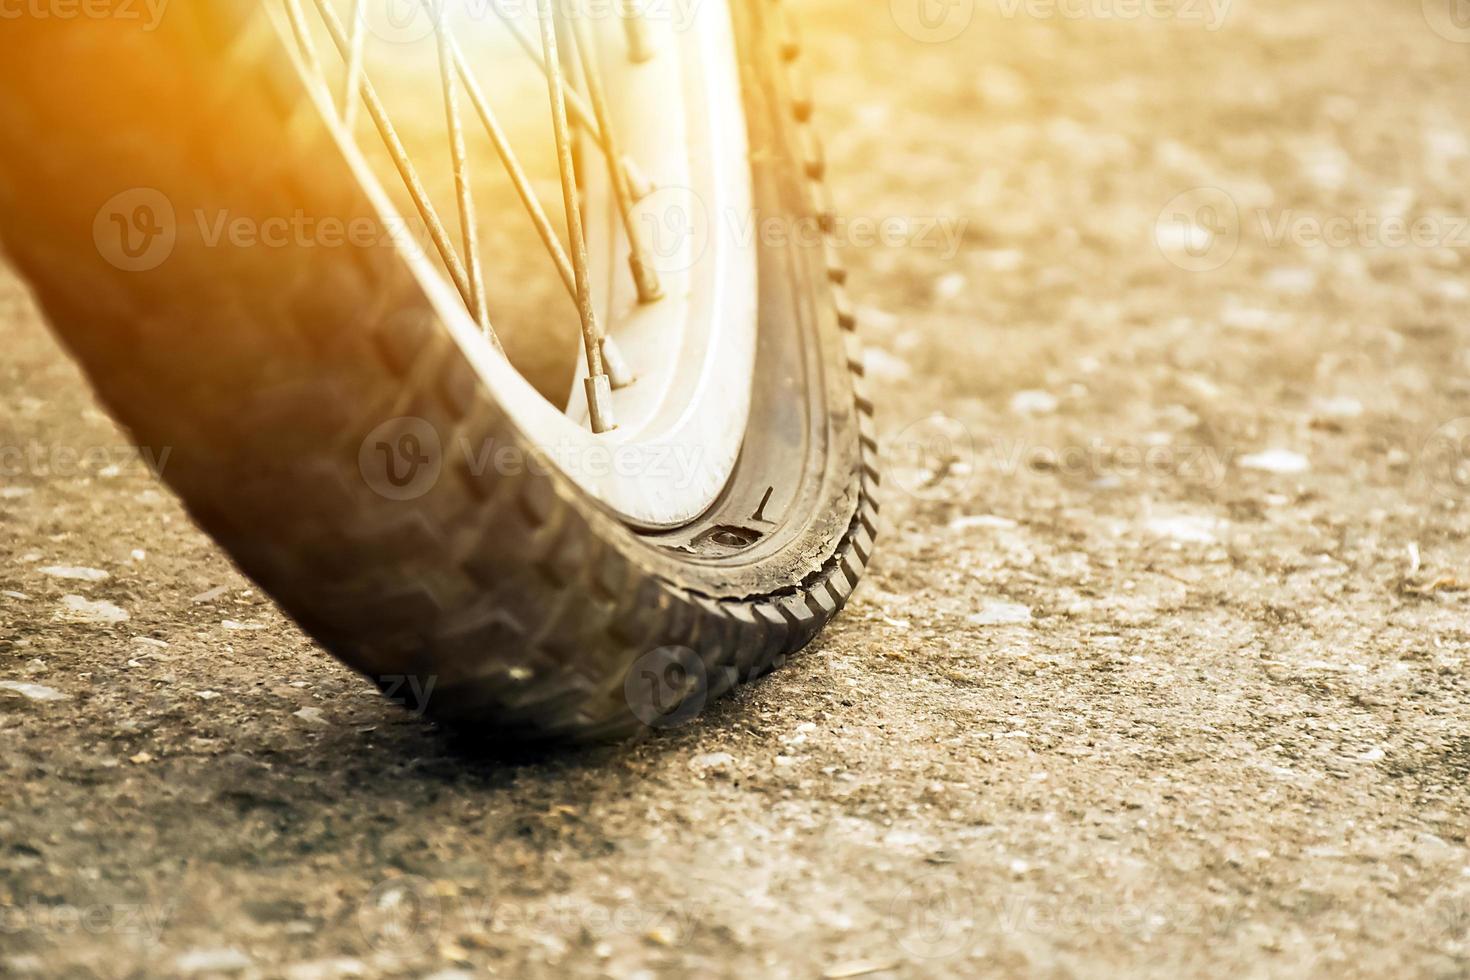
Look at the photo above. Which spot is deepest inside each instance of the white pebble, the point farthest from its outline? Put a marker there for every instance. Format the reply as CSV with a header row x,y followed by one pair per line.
x,y
197,961
1296,280
1003,259
1251,318
1032,402
1452,290
79,573
903,838
981,520
1191,529
1000,86
878,319
883,366
80,610
997,613
1276,461
1182,236
33,692
949,286
331,969
712,761
1338,408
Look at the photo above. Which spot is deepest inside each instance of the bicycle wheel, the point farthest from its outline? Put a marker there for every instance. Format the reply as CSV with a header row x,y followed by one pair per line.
x,y
345,417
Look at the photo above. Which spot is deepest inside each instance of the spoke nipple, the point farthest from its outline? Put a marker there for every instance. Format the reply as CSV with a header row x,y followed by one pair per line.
x,y
599,402
640,44
619,374
649,289
639,186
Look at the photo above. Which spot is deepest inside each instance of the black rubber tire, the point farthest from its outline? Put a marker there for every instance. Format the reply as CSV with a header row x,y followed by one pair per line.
x,y
519,605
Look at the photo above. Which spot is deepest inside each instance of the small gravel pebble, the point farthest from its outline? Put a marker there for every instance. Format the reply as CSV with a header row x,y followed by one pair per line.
x,y
33,692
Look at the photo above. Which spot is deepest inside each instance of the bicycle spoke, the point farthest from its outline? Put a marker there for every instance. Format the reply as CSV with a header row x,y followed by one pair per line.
x,y
352,80
304,40
605,367
406,170
513,168
619,374
635,31
573,99
644,276
463,191
576,106
597,385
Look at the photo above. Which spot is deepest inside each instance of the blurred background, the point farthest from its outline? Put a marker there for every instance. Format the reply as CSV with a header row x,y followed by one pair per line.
x,y
1160,667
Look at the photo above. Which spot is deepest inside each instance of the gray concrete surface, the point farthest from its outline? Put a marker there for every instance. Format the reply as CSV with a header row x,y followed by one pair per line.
x,y
1160,669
